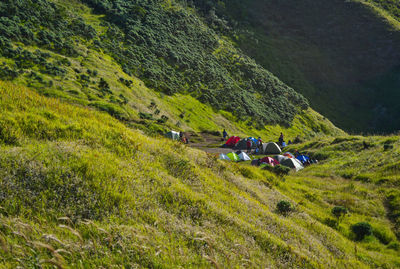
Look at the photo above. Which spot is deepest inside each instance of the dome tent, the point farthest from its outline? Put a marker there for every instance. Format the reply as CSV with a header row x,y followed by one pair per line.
x,y
244,157
271,148
224,157
292,163
172,135
233,156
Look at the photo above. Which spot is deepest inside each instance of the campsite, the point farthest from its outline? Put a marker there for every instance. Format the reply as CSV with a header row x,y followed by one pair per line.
x,y
199,134
270,153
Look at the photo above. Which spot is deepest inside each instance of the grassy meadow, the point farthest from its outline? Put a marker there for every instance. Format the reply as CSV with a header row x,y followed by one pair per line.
x,y
79,189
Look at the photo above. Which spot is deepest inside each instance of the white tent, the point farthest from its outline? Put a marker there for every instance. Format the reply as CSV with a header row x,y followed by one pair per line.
x,y
292,163
281,158
224,157
244,157
271,148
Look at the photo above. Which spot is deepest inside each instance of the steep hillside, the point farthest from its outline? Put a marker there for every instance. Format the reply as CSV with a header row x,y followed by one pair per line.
x,y
79,189
342,55
47,44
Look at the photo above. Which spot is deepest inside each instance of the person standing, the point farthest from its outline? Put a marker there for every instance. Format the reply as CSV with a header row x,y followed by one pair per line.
x,y
281,139
259,144
224,134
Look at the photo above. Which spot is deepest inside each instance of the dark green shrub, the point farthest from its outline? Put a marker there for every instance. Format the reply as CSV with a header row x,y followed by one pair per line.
x,y
163,119
333,223
281,170
361,230
115,111
145,116
339,211
284,207
387,147
383,235
394,245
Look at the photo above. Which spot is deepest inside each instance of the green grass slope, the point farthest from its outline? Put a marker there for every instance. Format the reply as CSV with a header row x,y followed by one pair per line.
x,y
163,43
66,51
79,189
342,55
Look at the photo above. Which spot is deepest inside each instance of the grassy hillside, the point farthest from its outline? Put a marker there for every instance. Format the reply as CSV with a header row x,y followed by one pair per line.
x,y
68,54
163,43
79,189
342,55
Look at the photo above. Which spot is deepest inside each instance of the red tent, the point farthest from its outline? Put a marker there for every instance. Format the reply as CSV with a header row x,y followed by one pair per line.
x,y
232,141
270,161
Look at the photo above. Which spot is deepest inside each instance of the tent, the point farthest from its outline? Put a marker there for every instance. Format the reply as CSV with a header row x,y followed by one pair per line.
x,y
172,135
270,161
224,157
241,144
280,158
303,158
256,162
288,154
254,140
232,141
244,157
292,163
271,148
233,156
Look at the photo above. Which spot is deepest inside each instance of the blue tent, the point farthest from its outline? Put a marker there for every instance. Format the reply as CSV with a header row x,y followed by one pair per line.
x,y
254,140
303,158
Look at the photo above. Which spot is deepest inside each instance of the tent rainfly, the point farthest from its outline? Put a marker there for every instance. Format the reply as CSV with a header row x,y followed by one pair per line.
x,y
172,135
244,157
292,163
224,157
233,156
271,148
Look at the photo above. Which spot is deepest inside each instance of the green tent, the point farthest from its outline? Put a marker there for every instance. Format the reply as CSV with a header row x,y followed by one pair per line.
x,y
172,135
233,156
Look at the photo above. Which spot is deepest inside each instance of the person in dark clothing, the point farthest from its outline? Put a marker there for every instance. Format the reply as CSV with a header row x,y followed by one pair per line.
x,y
281,139
224,134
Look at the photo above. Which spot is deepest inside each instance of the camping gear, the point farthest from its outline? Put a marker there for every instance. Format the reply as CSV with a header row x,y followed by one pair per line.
x,y
241,144
172,135
233,156
288,154
280,158
292,163
254,140
303,158
224,157
244,157
255,162
271,148
283,144
269,160
232,141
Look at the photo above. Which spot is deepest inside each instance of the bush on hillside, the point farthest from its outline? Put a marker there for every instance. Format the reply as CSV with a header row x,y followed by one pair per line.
x,y
361,230
333,223
284,207
339,211
281,170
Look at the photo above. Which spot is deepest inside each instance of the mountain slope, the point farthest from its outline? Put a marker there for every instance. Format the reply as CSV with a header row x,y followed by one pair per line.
x,y
190,58
75,57
78,188
342,55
